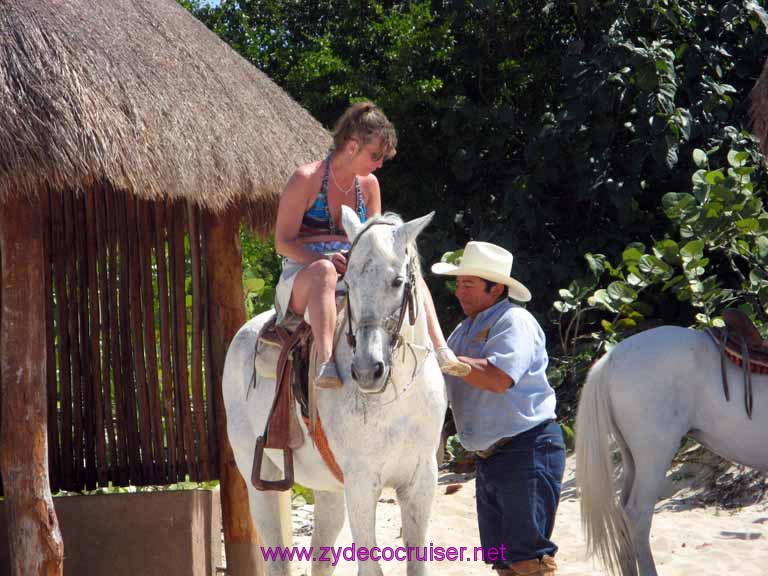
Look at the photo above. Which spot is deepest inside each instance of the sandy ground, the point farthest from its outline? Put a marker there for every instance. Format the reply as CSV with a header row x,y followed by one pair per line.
x,y
688,538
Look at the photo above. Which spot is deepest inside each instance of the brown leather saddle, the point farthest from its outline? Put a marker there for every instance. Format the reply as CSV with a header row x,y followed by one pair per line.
x,y
282,430
741,343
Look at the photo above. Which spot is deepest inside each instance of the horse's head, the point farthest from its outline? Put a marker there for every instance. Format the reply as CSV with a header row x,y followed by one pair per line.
x,y
381,274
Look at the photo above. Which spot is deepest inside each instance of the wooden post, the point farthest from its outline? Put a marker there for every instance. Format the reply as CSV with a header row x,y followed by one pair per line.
x,y
35,540
226,308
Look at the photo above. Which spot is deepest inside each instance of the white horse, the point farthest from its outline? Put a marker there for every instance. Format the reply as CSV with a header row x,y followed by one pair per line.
x,y
383,426
649,392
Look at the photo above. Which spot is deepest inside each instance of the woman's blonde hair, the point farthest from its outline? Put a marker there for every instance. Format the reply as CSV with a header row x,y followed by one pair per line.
x,y
365,122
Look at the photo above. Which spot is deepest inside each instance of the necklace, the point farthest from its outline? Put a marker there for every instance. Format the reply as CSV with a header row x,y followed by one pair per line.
x,y
348,190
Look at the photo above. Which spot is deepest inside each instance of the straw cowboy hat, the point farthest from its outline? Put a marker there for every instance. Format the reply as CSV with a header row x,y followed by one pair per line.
x,y
489,262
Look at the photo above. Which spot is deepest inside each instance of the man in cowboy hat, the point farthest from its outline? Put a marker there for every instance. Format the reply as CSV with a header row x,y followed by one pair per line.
x,y
504,411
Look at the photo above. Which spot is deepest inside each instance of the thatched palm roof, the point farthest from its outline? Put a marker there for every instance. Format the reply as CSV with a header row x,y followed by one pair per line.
x,y
140,93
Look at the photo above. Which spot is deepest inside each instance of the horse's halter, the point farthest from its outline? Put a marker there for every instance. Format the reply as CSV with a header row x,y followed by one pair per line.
x,y
391,324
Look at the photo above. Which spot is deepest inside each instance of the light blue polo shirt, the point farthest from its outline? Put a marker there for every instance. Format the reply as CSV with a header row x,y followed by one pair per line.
x,y
512,340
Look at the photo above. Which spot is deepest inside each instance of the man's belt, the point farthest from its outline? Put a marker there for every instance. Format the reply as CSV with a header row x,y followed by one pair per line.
x,y
488,452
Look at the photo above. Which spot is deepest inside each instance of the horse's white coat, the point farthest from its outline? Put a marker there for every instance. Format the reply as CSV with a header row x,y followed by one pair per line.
x,y
647,393
378,439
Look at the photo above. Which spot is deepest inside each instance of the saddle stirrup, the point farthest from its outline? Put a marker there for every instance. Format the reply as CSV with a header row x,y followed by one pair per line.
x,y
258,457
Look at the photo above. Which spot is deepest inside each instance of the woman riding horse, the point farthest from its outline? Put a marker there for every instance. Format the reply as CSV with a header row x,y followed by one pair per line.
x,y
312,242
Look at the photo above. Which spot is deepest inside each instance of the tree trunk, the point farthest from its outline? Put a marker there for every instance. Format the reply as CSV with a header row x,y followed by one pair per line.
x,y
226,309
35,540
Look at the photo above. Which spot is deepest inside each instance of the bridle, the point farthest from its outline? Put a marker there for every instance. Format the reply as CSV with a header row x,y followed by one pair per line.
x,y
391,324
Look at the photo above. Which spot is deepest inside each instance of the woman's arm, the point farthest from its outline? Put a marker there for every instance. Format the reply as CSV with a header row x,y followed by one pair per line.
x,y
371,195
293,204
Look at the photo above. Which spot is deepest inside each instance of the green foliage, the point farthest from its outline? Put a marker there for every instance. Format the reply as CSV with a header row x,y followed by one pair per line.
x,y
261,271
553,128
558,130
657,83
191,5
457,458
568,436
715,259
301,495
452,257
111,489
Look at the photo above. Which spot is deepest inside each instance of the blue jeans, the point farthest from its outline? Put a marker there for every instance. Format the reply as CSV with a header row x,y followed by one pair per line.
x,y
518,490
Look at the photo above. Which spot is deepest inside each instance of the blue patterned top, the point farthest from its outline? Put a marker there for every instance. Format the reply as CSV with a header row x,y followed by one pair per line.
x,y
317,220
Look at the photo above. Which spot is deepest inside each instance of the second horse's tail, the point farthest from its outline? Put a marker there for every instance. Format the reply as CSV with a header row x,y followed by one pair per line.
x,y
605,524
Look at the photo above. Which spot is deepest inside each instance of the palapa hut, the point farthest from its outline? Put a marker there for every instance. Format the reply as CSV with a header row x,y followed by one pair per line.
x,y
132,142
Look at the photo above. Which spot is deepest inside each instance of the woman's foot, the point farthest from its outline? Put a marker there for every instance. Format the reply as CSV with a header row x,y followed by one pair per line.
x,y
327,376
449,364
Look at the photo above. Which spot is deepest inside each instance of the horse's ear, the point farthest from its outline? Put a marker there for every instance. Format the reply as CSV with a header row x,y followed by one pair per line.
x,y
408,232
350,221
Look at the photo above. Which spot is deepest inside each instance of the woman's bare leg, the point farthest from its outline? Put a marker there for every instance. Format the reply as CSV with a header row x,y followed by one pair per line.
x,y
445,356
314,289
433,325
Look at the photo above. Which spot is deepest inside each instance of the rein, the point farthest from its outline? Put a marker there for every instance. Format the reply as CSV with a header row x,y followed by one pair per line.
x,y
407,306
721,339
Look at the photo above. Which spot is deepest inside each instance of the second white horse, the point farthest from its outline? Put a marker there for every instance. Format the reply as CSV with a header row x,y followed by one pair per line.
x,y
647,393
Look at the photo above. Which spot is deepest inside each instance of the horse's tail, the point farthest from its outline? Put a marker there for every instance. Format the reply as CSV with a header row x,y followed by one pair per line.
x,y
603,519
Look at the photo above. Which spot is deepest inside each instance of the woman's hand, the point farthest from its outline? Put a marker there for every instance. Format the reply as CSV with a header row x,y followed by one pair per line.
x,y
339,262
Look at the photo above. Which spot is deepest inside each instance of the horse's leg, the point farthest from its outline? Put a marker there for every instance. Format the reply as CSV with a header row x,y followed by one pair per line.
x,y
628,470
362,493
266,511
415,504
651,465
329,519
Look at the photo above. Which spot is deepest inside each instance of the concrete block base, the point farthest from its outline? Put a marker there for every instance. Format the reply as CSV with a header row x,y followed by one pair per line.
x,y
165,533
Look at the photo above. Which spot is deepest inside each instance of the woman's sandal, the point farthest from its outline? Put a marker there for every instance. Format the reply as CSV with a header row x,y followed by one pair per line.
x,y
327,376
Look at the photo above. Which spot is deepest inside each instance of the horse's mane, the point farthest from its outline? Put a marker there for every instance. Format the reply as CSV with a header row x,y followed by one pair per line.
x,y
411,251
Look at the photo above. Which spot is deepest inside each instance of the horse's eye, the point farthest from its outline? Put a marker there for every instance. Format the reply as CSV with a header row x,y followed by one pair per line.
x,y
397,282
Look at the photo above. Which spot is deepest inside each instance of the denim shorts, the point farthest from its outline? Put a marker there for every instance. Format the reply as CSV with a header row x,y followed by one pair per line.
x,y
284,287
518,491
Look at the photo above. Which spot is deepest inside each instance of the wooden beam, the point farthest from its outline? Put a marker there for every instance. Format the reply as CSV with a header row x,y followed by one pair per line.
x,y
36,545
226,308
196,367
169,413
